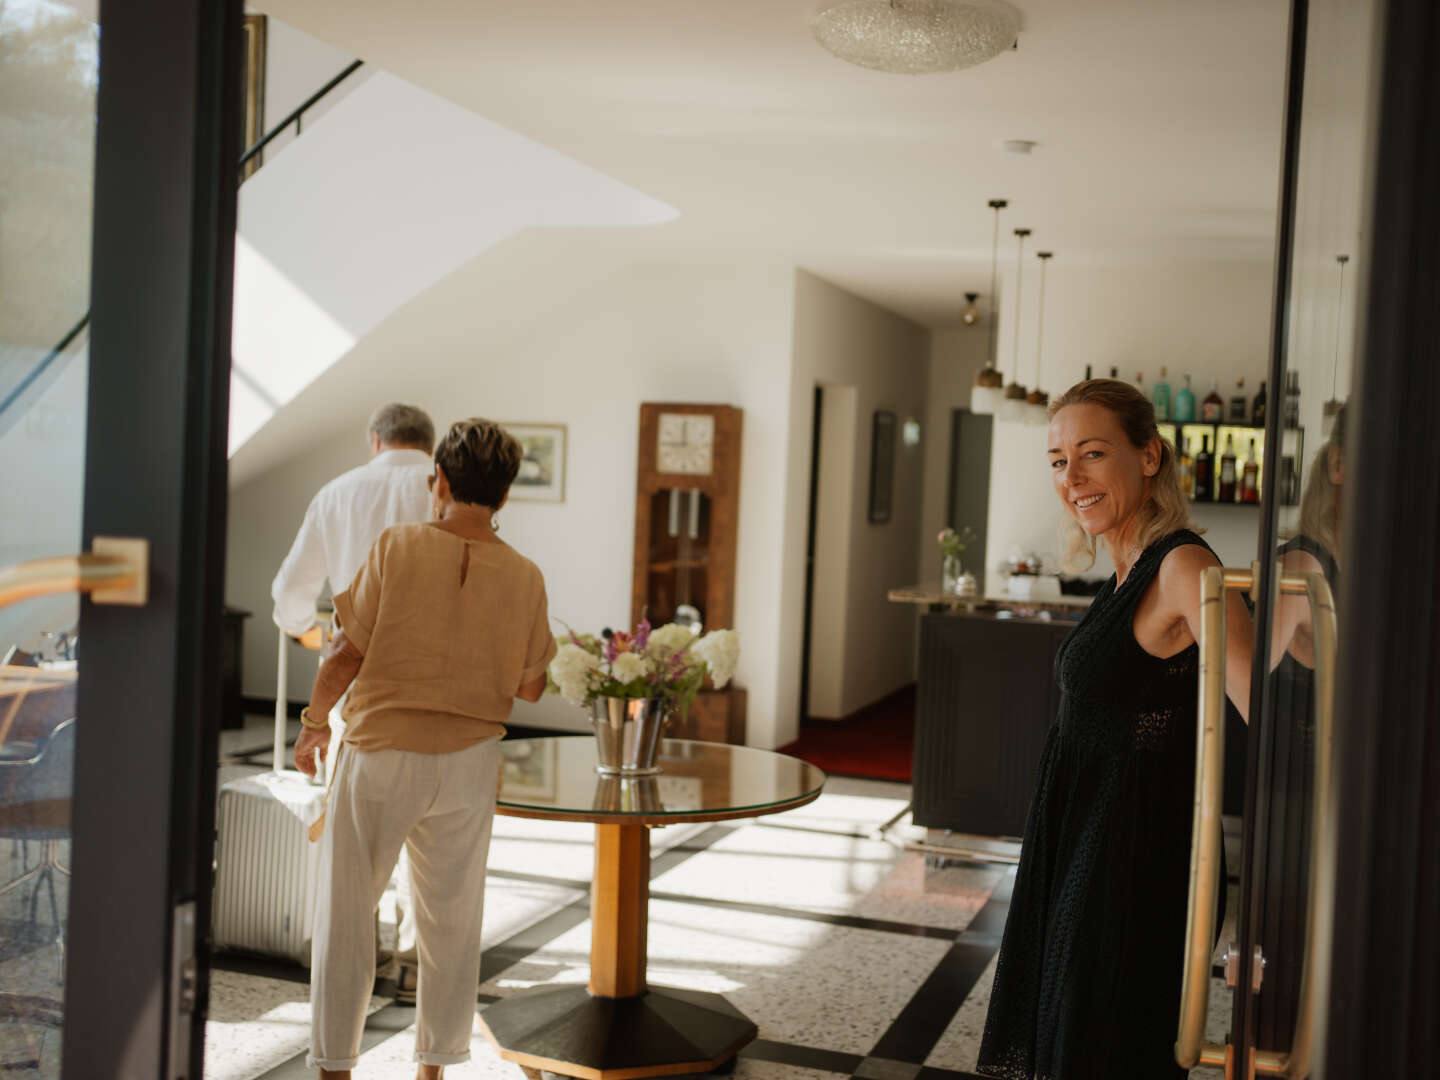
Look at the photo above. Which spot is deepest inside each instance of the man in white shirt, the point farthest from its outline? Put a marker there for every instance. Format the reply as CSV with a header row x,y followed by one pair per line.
x,y
341,525
349,513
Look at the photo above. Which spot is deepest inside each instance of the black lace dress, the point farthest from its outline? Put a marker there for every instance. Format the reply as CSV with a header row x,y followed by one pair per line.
x,y
1088,980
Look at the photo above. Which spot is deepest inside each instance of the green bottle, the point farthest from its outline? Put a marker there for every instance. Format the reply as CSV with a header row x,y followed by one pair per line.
x,y
1162,398
1185,403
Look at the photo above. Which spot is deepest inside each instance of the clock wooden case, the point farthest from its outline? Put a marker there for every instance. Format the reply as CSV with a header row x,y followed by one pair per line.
x,y
687,513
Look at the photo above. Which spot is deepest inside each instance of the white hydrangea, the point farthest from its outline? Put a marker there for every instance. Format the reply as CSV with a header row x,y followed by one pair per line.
x,y
669,639
629,666
720,649
571,669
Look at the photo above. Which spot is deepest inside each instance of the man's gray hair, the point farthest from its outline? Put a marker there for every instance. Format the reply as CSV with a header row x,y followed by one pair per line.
x,y
403,425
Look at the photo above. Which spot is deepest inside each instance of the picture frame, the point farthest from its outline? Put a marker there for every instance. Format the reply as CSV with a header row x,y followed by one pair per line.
x,y
542,470
882,466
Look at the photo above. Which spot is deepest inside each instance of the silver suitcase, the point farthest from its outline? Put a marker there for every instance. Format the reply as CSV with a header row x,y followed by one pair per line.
x,y
266,872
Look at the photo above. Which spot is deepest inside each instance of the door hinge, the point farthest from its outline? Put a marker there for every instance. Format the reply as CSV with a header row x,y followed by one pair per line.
x,y
1232,967
184,989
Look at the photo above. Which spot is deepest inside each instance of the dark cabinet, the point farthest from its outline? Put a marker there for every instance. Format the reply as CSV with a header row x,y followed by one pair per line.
x,y
986,700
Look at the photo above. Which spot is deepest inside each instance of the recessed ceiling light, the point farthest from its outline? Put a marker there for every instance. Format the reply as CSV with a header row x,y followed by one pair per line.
x,y
1019,146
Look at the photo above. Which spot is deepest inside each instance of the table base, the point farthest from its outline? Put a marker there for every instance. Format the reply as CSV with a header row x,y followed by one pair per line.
x,y
663,1032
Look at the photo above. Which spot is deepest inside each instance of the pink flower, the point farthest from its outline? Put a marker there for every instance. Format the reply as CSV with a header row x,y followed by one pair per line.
x,y
642,635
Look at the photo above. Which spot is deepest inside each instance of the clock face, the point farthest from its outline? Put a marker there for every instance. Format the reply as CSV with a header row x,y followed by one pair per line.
x,y
686,444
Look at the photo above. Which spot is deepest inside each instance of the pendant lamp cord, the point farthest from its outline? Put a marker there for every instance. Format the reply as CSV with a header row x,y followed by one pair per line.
x,y
1019,268
1339,305
997,205
1044,257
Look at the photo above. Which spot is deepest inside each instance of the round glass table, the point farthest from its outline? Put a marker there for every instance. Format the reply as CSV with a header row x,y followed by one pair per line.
x,y
620,1026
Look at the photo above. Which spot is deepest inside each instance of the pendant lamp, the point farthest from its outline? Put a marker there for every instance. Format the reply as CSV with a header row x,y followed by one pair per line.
x,y
1037,402
988,391
1013,407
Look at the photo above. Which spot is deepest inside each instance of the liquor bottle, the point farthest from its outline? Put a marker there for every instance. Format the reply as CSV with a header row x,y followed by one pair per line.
x,y
1239,406
1250,479
1257,407
1226,493
1088,376
1212,409
1186,469
1292,399
1114,372
1204,472
1162,398
1185,403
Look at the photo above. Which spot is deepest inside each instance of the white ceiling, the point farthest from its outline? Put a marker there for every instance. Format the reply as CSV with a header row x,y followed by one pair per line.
x,y
1158,124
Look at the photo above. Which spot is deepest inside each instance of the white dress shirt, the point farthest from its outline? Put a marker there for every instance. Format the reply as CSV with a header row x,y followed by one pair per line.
x,y
341,524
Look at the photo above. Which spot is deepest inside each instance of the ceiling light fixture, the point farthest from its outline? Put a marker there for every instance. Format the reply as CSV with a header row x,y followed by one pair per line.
x,y
1037,401
971,315
916,37
1013,407
988,391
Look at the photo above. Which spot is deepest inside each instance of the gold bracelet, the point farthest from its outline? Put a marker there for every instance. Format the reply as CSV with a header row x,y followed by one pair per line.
x,y
313,725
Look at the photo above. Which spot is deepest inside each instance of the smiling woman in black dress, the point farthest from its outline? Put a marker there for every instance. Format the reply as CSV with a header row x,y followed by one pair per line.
x,y
1088,980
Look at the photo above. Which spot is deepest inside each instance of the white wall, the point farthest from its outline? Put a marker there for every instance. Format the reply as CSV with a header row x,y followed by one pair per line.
x,y
842,340
645,333
1209,319
835,510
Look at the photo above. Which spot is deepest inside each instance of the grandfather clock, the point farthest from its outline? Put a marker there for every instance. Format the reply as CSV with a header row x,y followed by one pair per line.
x,y
687,513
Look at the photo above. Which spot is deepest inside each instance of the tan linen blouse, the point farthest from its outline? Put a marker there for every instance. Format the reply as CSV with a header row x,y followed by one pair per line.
x,y
450,628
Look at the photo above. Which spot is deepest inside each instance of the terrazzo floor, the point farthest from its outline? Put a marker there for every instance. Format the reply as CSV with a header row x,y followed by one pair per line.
x,y
855,956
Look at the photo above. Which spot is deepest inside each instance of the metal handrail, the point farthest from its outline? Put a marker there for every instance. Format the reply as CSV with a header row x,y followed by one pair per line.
x,y
294,117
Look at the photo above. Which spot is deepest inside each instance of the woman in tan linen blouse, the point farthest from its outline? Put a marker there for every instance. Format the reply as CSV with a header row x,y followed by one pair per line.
x,y
443,627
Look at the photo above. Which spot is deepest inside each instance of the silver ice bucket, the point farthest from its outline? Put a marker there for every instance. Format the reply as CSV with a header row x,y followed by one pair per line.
x,y
627,734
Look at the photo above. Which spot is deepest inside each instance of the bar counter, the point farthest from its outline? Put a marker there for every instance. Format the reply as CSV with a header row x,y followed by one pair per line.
x,y
985,702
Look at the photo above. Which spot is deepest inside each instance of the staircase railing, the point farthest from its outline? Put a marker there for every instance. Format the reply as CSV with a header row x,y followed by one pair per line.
x,y
296,117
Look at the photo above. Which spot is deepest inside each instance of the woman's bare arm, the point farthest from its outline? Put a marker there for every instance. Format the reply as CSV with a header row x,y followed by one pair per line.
x,y
1291,628
337,671
532,690
1182,590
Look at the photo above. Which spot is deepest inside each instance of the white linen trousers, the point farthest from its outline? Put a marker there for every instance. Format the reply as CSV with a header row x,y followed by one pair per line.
x,y
439,808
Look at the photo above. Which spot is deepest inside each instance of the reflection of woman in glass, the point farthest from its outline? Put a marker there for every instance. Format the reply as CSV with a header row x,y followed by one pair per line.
x,y
1314,549
1087,986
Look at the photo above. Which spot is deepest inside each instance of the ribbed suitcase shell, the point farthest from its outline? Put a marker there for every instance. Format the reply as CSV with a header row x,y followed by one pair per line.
x,y
266,874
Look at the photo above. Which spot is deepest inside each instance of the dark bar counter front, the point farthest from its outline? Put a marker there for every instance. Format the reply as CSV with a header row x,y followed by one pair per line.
x,y
986,700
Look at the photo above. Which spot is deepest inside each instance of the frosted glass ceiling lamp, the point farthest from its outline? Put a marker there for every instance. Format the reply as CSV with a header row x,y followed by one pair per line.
x,y
916,37
1037,402
1013,408
988,392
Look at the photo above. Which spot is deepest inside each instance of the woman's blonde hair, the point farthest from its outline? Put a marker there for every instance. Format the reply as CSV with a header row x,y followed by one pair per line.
x,y
1320,504
1166,510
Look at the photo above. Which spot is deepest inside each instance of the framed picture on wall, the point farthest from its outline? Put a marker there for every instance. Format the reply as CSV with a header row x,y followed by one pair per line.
x,y
542,469
882,466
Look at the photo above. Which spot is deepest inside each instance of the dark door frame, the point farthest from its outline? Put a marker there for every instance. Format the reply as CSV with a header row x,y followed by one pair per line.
x,y
168,113
1384,978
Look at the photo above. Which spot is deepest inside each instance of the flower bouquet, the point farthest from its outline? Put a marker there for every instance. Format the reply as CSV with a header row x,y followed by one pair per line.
x,y
952,546
632,682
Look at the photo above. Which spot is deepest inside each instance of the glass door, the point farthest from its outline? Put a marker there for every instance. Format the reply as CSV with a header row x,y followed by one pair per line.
x,y
117,182
1273,958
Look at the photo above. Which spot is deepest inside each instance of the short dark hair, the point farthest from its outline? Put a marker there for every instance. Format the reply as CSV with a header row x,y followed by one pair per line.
x,y
481,460
403,425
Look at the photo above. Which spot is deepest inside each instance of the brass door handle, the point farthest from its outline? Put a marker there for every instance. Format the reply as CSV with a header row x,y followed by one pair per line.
x,y
116,571
1319,914
1205,832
